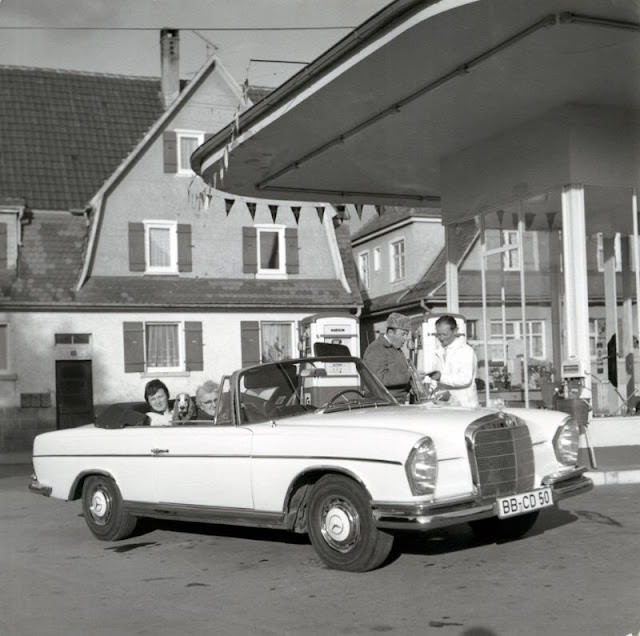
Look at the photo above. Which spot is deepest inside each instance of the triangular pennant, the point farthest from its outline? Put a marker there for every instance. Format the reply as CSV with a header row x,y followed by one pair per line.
x,y
295,209
207,201
274,212
378,209
320,211
228,204
516,218
528,220
251,206
551,217
359,207
500,215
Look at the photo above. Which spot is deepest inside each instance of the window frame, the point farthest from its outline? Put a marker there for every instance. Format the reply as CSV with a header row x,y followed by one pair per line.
x,y
516,334
281,271
5,365
182,362
172,226
377,259
363,269
185,170
400,260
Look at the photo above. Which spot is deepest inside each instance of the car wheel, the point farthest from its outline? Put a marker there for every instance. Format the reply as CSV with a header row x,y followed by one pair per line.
x,y
103,510
504,529
341,526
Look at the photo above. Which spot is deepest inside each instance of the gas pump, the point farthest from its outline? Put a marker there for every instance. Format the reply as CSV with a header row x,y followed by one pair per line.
x,y
572,397
332,329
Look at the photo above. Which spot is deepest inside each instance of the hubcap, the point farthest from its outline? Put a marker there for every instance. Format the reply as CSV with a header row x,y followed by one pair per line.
x,y
340,524
100,506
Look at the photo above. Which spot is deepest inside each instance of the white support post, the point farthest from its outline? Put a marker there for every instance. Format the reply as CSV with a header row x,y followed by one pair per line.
x,y
523,309
485,325
451,271
575,278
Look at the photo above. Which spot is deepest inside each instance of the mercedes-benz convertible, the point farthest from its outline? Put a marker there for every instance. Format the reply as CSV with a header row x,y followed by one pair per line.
x,y
317,446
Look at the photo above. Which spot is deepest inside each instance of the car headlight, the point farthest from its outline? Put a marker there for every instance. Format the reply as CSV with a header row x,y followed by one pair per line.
x,y
422,467
565,442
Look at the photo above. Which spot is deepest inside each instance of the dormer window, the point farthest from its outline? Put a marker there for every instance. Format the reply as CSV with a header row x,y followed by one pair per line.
x,y
178,148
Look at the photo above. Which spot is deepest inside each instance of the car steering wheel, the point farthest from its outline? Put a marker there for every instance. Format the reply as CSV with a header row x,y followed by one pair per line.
x,y
342,394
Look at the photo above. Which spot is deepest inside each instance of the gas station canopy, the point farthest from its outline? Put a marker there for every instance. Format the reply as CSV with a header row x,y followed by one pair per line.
x,y
454,104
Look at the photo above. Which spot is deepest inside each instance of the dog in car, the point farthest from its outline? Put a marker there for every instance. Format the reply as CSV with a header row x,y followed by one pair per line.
x,y
184,408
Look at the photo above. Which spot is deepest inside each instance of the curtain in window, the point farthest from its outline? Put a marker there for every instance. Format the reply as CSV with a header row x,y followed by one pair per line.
x,y
269,250
187,146
159,247
276,341
162,346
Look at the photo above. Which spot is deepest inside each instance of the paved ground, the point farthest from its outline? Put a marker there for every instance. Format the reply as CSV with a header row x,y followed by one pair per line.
x,y
576,573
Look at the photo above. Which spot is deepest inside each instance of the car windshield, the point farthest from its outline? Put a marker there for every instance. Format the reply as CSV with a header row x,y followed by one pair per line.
x,y
292,387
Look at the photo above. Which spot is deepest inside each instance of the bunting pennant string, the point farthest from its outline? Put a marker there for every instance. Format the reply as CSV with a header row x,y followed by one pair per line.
x,y
228,204
274,212
528,220
551,217
320,211
500,214
295,209
378,209
251,206
359,208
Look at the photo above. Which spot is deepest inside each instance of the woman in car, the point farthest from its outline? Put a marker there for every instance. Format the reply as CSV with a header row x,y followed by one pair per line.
x,y
156,395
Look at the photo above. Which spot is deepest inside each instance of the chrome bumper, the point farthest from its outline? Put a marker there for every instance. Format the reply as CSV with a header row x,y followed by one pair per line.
x,y
427,516
36,487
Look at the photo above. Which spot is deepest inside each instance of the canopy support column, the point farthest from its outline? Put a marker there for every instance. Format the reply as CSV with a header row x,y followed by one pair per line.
x,y
575,278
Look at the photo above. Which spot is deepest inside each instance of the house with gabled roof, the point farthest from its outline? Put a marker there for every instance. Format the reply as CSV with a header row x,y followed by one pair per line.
x,y
117,265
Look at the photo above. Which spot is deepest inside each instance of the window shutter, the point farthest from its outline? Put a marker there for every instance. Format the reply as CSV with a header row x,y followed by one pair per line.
x,y
291,244
193,346
249,250
4,247
184,248
250,342
133,338
136,247
170,142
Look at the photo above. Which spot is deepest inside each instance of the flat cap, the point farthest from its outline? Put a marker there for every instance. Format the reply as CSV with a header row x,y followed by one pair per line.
x,y
398,321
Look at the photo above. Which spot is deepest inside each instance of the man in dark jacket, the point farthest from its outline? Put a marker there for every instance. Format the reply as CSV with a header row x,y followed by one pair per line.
x,y
385,358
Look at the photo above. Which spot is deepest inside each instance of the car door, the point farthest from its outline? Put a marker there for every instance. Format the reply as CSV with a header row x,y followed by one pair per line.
x,y
203,465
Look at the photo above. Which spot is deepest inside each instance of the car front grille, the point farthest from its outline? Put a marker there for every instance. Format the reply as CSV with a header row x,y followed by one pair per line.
x,y
501,456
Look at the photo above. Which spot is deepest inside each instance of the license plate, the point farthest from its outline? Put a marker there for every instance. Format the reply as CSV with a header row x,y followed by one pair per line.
x,y
524,502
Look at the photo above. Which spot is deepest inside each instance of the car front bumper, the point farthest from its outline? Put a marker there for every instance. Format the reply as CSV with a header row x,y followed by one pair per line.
x,y
430,515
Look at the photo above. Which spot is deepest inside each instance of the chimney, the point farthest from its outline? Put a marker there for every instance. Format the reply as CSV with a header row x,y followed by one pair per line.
x,y
169,64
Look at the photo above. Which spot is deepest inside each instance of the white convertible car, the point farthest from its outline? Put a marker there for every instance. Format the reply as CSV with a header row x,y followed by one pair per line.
x,y
317,446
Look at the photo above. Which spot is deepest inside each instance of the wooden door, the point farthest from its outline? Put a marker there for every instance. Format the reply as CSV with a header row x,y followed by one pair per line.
x,y
74,393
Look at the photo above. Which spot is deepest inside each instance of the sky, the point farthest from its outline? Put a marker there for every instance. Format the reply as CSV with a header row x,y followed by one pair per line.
x,y
122,36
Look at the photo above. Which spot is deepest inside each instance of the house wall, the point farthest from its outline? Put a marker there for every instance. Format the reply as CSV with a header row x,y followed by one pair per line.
x,y
147,192
33,356
424,239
